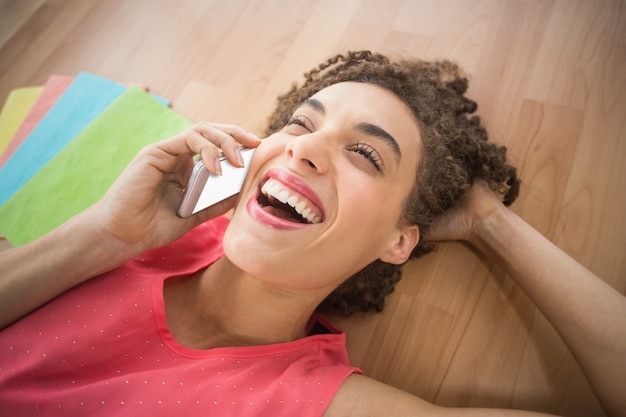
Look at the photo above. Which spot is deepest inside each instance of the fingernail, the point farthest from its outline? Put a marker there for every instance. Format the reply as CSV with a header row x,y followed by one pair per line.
x,y
239,157
217,166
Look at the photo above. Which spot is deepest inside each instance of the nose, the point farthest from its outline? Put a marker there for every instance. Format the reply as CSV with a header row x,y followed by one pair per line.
x,y
309,152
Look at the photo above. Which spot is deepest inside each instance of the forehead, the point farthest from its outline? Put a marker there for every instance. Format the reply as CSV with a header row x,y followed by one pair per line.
x,y
367,100
359,93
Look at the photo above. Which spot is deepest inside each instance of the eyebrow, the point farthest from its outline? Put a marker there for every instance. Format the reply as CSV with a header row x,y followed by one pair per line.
x,y
315,104
369,129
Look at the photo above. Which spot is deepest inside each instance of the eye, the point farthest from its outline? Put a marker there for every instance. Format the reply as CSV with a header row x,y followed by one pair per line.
x,y
368,153
300,121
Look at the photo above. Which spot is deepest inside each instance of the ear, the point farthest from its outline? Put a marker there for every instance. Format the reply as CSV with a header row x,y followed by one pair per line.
x,y
401,244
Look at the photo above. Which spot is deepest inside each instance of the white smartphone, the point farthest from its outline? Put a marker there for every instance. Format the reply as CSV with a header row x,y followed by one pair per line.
x,y
205,189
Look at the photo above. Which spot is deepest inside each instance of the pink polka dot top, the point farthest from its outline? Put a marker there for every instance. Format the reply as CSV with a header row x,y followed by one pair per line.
x,y
103,349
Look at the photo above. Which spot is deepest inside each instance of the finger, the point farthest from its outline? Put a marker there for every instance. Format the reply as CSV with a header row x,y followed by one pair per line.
x,y
229,139
177,152
203,139
241,135
188,143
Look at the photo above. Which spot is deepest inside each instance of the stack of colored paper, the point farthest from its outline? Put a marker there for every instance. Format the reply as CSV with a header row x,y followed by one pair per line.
x,y
63,144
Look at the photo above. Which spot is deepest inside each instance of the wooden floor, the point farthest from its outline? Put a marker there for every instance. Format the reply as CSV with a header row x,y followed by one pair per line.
x,y
550,78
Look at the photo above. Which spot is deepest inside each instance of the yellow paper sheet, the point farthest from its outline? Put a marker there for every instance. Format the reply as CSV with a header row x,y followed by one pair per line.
x,y
16,107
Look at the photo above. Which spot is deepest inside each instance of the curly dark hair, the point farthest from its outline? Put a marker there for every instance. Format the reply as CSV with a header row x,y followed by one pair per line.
x,y
455,150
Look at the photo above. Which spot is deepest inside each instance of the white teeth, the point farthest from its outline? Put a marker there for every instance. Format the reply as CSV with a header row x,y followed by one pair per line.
x,y
275,189
283,196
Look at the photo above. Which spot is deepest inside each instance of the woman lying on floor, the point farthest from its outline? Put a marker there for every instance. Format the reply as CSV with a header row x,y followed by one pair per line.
x,y
129,309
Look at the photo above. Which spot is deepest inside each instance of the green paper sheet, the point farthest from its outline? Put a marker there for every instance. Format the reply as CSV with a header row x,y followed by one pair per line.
x,y
82,172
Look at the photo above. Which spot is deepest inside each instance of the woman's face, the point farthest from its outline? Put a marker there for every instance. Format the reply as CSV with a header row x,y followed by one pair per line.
x,y
324,195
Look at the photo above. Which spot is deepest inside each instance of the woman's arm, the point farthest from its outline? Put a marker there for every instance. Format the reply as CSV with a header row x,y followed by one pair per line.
x,y
35,273
360,396
137,213
588,314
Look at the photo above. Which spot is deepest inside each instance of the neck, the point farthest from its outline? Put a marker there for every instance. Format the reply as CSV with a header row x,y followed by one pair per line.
x,y
223,306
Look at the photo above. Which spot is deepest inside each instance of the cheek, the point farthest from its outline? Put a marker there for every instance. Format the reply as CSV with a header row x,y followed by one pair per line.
x,y
366,219
373,206
264,152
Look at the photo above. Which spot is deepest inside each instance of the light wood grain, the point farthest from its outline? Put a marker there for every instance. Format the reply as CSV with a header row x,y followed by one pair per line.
x,y
550,79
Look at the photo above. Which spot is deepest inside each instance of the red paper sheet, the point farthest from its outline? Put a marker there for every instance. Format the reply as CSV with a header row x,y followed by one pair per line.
x,y
53,89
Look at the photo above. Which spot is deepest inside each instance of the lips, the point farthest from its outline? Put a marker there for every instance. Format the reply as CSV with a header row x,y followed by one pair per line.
x,y
286,202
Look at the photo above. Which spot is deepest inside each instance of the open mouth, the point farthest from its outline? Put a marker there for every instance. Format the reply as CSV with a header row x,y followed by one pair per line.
x,y
287,204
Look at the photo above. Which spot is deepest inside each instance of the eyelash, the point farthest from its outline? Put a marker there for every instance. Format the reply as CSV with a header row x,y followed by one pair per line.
x,y
368,153
360,148
298,121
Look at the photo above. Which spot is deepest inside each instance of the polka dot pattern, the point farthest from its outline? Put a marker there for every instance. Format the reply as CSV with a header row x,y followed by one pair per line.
x,y
103,348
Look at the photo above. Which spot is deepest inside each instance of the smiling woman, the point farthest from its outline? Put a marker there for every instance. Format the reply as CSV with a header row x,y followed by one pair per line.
x,y
454,147
322,158
368,163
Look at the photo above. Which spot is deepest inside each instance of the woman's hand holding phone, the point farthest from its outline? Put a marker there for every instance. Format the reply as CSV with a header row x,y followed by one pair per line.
x,y
139,212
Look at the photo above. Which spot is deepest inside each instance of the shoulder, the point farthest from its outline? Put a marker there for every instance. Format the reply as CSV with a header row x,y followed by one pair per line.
x,y
363,396
360,396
